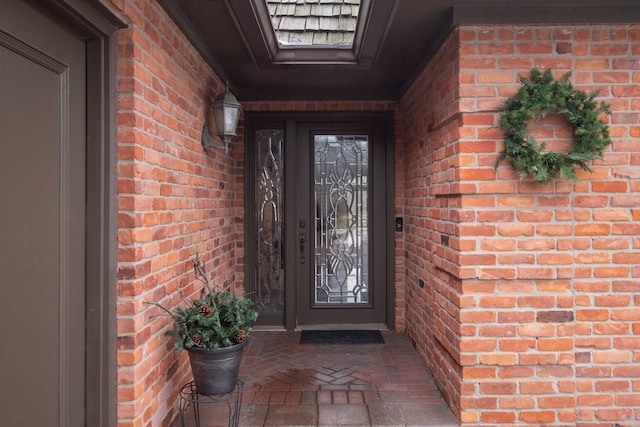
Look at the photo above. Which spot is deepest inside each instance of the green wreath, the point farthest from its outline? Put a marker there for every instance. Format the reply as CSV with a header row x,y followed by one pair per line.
x,y
536,97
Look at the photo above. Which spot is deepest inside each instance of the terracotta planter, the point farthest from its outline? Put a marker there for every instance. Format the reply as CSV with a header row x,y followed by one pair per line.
x,y
215,372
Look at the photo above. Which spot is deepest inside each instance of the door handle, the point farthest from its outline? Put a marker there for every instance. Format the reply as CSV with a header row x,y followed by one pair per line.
x,y
303,239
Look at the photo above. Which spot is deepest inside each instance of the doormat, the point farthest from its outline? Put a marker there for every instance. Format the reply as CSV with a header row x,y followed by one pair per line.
x,y
341,337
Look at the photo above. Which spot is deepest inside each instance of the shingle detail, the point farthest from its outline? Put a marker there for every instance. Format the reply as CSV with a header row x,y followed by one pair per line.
x,y
286,10
313,24
306,38
317,22
303,10
349,26
321,10
291,23
319,38
342,10
337,39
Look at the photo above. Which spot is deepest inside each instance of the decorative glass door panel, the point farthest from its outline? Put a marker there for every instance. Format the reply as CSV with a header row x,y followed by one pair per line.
x,y
268,294
341,168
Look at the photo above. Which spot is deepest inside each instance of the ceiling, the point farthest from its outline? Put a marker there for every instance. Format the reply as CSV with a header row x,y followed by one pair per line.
x,y
399,38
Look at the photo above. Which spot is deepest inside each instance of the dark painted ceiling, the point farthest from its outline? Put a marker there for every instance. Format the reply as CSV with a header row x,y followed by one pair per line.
x,y
400,39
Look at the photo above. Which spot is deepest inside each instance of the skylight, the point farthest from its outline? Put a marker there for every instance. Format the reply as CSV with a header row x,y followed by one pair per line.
x,y
321,23
313,32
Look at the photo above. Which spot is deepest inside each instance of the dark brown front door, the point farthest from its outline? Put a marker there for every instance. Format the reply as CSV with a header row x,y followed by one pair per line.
x,y
340,203
42,208
320,230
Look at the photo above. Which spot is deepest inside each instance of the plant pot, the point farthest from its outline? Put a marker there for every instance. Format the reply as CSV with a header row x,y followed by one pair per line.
x,y
215,372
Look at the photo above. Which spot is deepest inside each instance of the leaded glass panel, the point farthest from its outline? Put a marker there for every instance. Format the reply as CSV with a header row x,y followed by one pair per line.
x,y
341,169
269,288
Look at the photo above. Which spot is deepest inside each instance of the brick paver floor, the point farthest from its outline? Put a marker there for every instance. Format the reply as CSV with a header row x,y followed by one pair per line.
x,y
293,384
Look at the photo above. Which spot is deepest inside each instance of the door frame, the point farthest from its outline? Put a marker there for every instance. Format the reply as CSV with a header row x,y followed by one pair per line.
x,y
99,27
289,121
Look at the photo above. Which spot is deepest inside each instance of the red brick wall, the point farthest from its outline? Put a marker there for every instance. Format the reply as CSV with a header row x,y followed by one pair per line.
x,y
312,105
175,200
429,142
530,289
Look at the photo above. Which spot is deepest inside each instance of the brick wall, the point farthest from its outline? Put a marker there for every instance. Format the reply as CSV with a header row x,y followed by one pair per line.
x,y
530,290
429,143
174,201
319,106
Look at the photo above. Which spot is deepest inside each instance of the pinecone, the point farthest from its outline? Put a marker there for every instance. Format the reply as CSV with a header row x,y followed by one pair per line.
x,y
198,341
205,310
240,336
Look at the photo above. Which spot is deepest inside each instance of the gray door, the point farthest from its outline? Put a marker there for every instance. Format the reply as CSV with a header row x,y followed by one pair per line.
x,y
317,223
42,249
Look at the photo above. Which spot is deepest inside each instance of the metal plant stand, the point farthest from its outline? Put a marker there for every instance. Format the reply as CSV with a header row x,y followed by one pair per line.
x,y
189,396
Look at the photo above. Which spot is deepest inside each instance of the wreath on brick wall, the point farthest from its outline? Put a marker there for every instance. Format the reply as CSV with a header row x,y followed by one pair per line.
x,y
538,96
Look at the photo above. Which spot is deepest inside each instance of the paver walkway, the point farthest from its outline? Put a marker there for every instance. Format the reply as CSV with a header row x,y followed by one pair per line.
x,y
293,384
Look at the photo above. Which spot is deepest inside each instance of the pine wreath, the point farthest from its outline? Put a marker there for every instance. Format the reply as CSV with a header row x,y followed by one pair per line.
x,y
536,97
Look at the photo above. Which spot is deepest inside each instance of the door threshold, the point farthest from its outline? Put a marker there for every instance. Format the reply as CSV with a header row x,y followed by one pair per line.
x,y
343,327
268,328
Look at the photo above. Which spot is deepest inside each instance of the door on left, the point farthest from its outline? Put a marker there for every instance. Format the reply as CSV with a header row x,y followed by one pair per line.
x,y
43,188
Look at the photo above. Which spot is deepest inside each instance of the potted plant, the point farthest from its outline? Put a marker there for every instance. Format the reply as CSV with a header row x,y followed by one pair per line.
x,y
213,329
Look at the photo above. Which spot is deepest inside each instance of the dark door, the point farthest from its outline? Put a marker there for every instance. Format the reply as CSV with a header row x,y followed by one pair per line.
x,y
42,249
340,203
320,196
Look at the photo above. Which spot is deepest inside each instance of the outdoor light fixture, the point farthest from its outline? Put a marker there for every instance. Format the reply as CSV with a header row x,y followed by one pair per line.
x,y
226,110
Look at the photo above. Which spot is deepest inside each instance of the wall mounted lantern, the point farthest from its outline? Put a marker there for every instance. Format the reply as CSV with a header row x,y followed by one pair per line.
x,y
226,110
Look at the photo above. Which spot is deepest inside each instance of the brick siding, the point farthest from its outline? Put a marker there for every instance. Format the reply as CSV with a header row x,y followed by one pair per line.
x,y
520,297
174,201
429,137
529,312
